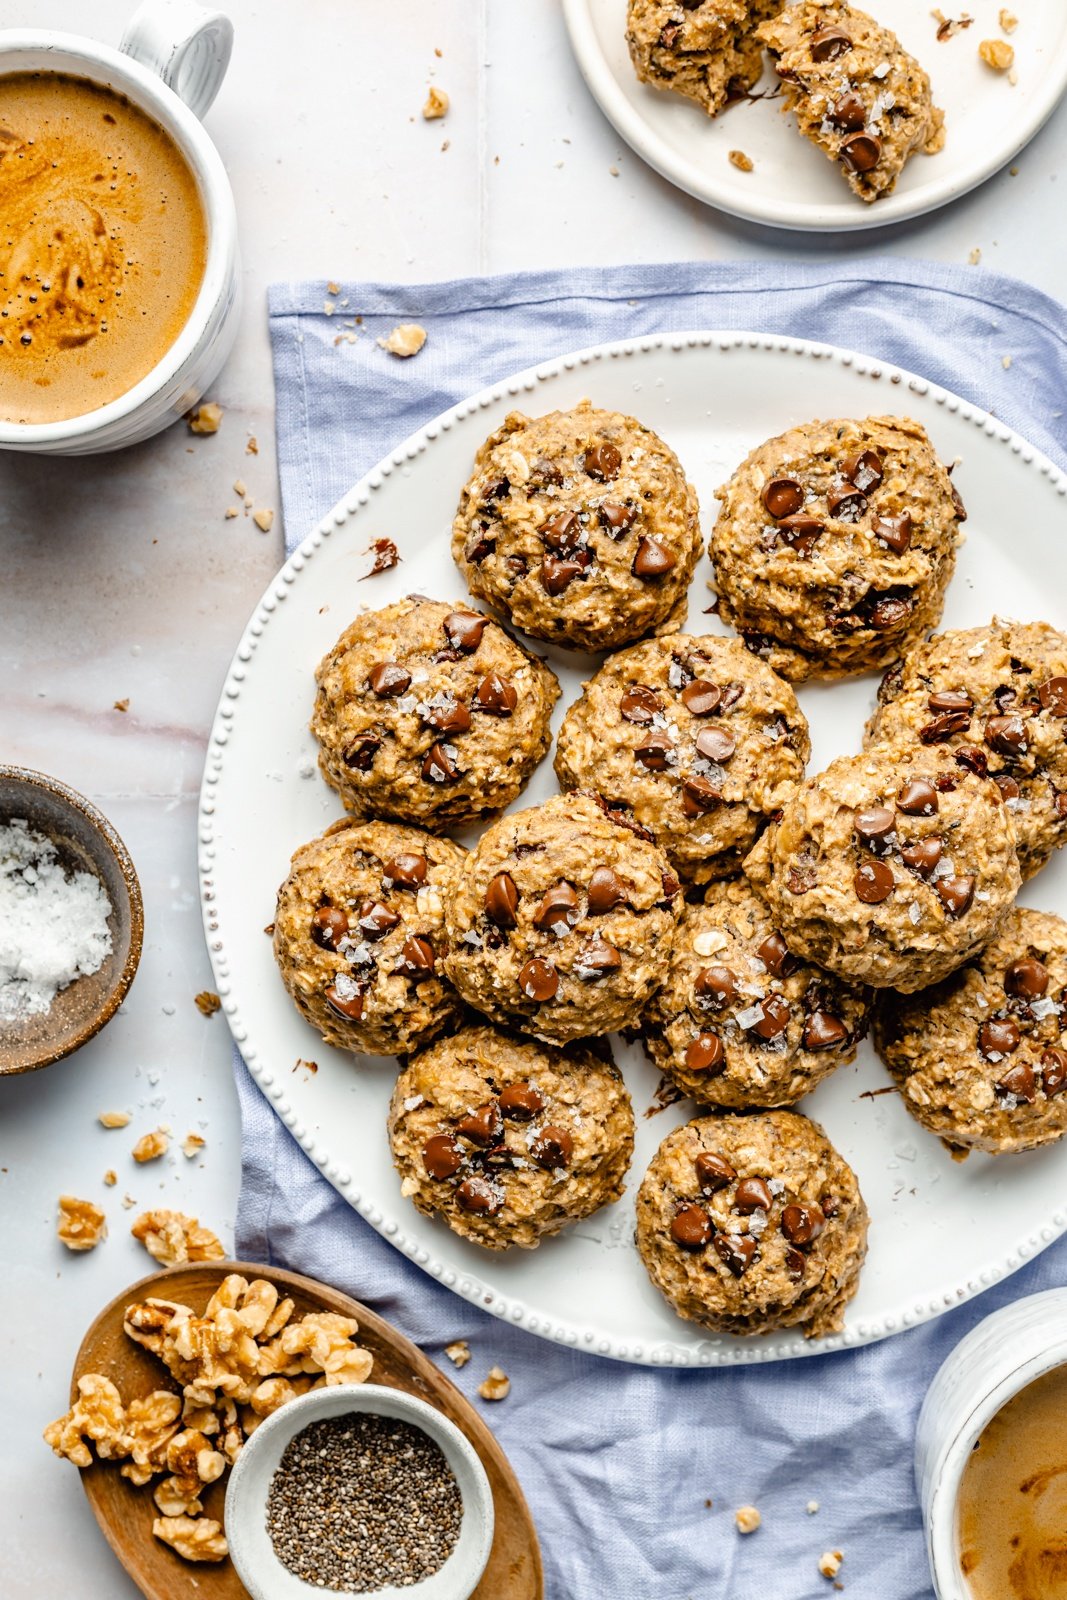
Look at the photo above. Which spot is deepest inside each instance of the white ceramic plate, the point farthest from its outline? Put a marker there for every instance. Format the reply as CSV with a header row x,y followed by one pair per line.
x,y
793,185
941,1231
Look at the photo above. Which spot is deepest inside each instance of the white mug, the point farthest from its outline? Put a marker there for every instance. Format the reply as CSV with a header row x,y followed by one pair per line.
x,y
1009,1350
171,62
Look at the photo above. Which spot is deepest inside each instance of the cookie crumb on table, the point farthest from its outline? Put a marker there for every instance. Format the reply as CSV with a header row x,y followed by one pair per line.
x,y
747,1518
458,1352
252,447
495,1386
975,256
205,418
150,1146
192,1145
742,162
437,103
997,54
113,1119
1005,362
386,556
111,1177
830,1563
230,512
406,339
207,1002
81,1224
263,519
122,705
812,1507
947,26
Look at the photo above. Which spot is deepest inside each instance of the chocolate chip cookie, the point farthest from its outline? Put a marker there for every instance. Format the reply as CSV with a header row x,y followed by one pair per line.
x,y
739,1020
981,1059
359,935
751,1223
430,713
834,545
698,739
706,50
509,1140
562,920
580,527
996,698
857,94
891,868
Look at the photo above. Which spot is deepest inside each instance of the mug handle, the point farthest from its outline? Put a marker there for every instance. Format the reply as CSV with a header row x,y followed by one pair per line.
x,y
187,45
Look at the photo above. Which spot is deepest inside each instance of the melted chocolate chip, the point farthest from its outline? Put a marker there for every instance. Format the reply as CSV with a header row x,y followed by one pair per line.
x,y
999,1036
894,532
360,754
416,959
477,552
521,1102
847,505
388,679
464,630
774,953
823,1031
826,44
716,744
872,825
1008,786
438,765
617,519
545,474
483,1126
596,958
655,751
801,533
917,798
973,759
942,727
1053,696
715,986
713,1171
752,1194
889,611
448,718
562,532
602,462
347,1003
329,924
737,1250
951,700
1026,979
441,1156
606,891
502,900
706,1054
559,905
691,1228
1020,1081
1006,735
873,882
479,1196
376,920
653,559
849,113
922,857
956,894
539,980
701,697
957,504
801,1224
774,1016
1054,1071
782,497
496,696
552,1148
640,704
556,574
861,151
699,795
406,871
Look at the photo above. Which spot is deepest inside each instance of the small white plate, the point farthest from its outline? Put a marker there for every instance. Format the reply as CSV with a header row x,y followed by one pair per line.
x,y
793,185
941,1230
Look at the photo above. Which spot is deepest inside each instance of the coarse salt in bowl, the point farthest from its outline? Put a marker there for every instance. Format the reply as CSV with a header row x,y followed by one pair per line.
x,y
259,1567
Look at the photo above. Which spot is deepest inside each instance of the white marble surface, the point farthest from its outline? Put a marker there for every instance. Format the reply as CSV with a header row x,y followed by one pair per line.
x,y
119,577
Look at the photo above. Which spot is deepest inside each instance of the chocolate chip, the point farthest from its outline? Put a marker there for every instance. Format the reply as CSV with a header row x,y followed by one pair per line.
x,y
561,532
376,920
774,1016
617,519
438,765
795,1264
483,1126
606,891
495,488
737,1250
479,1196
1053,696
801,532
957,504
416,959
782,496
713,1171
387,679
596,958
850,113
653,559
830,1205
361,752
1054,1071
347,1003
1026,979
847,505
671,887
539,980
502,900
752,1194
943,727
893,532
477,552
329,925
716,744
872,826
861,151
1019,1081
917,798
774,953
826,44
715,986
890,611
655,751
922,857
406,871
603,462
706,1054
823,1031
556,574
1006,735
802,1225
691,1228
441,1156
973,759
801,879
464,630
956,894
701,697
521,1102
552,1148
951,700
640,704
873,882
496,696
699,795
449,717
558,905
545,474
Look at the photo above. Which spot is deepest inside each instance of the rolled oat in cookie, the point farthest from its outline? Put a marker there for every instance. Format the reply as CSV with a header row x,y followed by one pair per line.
x,y
739,1020
890,868
834,545
508,1140
430,713
706,50
996,699
981,1059
579,527
751,1223
699,739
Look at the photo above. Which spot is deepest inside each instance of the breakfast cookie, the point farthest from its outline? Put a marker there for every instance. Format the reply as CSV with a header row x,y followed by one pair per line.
x,y
699,739
834,545
739,1020
751,1223
892,867
706,50
509,1140
359,935
562,920
981,1059
580,526
996,698
858,96
431,713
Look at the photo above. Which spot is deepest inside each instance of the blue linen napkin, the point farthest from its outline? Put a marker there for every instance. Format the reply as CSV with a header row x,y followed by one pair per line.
x,y
619,1463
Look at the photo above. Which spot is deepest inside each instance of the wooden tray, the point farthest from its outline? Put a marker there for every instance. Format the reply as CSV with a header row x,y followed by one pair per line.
x,y
125,1513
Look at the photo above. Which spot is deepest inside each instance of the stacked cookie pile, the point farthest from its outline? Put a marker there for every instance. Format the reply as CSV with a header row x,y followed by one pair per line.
x,y
686,883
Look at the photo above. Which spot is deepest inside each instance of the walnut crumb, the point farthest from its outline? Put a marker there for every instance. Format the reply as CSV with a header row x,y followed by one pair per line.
x,y
207,1002
333,288
113,1119
263,519
172,1238
252,447
122,705
128,1202
1008,20
997,54
205,418
406,339
830,1563
747,1518
495,1386
192,1145
742,162
437,103
458,1352
231,512
947,26
81,1224
240,487
111,1177
150,1146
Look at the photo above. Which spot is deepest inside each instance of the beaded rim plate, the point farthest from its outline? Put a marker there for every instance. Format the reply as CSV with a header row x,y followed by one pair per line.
x,y
793,185
941,1231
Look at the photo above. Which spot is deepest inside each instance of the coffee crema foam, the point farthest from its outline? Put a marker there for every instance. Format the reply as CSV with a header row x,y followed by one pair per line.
x,y
103,244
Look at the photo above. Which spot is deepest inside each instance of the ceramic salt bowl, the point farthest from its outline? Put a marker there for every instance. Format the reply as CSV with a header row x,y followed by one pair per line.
x,y
85,841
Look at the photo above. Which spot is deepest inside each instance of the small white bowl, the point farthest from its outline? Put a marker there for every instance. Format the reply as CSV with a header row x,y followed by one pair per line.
x,y
260,1570
1009,1350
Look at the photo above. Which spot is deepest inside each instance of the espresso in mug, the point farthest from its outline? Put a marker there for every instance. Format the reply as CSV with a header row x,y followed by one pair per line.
x,y
1012,1518
103,243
